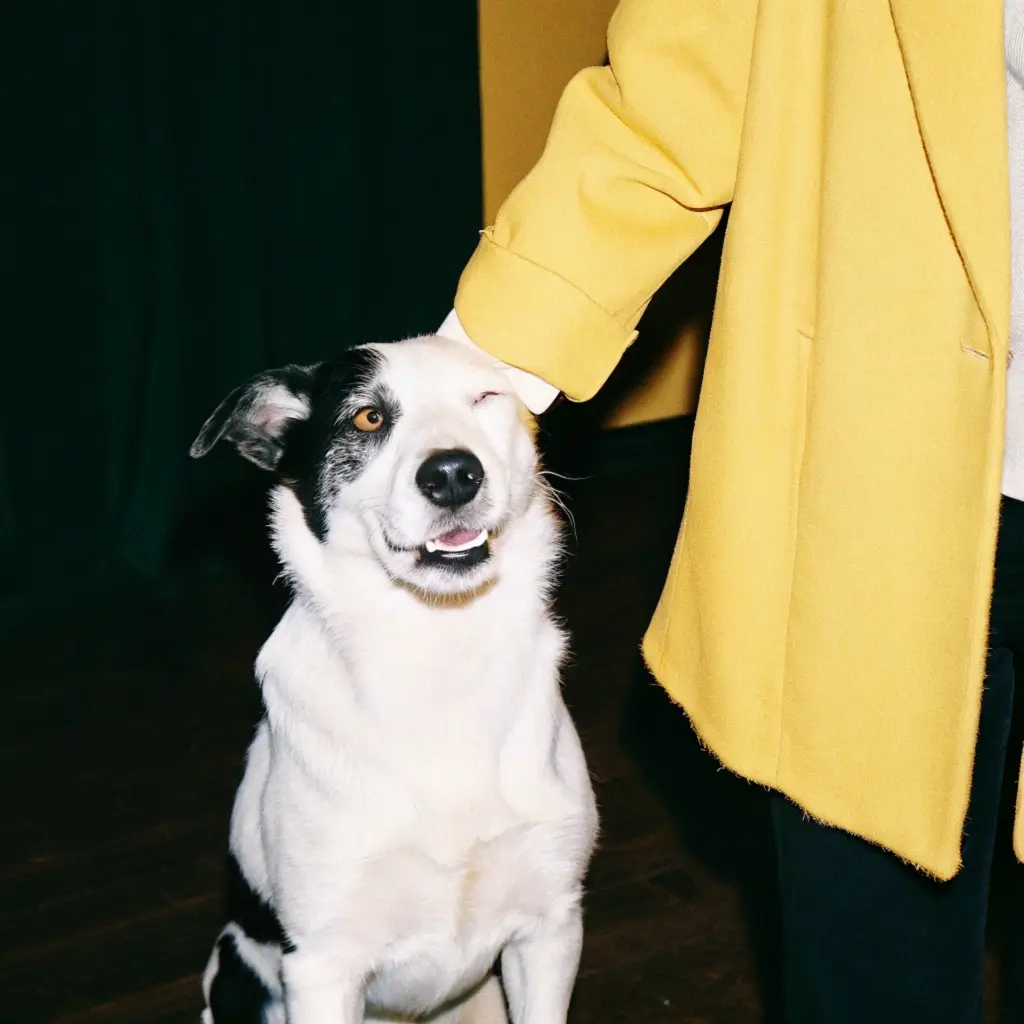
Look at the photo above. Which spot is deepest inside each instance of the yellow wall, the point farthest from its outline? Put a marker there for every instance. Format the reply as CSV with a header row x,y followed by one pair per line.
x,y
529,49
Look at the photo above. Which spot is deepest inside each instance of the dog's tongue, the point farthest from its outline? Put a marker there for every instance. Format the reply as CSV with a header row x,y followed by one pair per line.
x,y
457,538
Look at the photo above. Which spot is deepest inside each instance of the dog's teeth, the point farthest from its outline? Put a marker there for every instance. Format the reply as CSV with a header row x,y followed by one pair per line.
x,y
431,546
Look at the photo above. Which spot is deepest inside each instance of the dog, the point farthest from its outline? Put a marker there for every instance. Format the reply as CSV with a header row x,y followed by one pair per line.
x,y
415,818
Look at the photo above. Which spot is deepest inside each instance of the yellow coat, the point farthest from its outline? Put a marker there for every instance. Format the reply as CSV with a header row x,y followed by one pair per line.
x,y
825,618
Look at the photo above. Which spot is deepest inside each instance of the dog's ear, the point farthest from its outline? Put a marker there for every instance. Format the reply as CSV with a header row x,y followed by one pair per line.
x,y
256,416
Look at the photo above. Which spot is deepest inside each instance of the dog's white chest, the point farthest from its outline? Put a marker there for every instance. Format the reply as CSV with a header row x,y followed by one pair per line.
x,y
450,920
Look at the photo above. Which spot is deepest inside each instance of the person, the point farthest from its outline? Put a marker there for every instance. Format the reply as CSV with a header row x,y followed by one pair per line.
x,y
836,622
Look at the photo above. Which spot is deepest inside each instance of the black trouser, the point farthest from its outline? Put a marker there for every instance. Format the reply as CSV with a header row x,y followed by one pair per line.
x,y
869,940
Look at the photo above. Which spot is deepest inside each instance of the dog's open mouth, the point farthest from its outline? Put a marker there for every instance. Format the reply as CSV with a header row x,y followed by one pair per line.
x,y
460,549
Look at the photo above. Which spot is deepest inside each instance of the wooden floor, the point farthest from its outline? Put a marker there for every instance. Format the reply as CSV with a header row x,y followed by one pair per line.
x,y
123,733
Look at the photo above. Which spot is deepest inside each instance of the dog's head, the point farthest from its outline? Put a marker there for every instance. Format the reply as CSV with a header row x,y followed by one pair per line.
x,y
415,453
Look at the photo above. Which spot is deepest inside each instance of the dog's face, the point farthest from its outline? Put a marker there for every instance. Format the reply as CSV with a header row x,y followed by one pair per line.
x,y
416,453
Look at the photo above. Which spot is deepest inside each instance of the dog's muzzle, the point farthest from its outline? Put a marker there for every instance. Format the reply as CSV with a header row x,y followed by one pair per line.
x,y
450,480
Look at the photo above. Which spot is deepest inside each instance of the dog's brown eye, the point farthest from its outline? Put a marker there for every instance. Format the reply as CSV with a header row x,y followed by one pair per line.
x,y
368,419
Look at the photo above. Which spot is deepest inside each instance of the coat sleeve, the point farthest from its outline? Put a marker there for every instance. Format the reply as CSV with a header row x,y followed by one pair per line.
x,y
639,163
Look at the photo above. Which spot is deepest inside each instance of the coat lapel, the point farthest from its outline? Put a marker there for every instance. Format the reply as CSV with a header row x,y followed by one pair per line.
x,y
954,56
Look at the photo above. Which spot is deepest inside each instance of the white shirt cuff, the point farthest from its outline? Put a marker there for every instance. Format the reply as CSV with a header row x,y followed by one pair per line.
x,y
536,394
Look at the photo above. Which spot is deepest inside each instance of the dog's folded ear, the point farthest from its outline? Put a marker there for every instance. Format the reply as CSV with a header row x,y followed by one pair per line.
x,y
255,417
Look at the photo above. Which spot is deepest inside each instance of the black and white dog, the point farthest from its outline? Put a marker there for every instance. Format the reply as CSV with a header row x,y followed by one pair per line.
x,y
415,809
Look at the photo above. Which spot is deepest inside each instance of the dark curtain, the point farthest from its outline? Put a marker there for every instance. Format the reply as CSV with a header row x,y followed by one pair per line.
x,y
194,191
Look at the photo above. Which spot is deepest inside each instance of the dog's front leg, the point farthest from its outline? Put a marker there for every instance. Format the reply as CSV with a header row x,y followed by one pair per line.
x,y
539,971
321,988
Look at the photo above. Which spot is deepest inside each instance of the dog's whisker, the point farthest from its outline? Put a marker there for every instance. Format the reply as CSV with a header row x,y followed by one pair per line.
x,y
562,476
562,502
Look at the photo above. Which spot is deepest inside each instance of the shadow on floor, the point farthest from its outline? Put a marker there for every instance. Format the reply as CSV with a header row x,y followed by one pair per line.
x,y
722,820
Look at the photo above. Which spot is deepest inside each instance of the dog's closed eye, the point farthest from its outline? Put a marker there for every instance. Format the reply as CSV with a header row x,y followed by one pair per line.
x,y
485,395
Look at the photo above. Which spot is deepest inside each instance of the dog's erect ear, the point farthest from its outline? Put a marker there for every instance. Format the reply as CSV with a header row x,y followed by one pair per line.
x,y
255,417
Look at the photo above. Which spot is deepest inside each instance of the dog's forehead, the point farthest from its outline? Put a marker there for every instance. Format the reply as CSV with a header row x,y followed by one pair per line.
x,y
437,369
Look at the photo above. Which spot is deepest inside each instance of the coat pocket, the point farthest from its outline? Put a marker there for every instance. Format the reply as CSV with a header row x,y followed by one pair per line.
x,y
975,339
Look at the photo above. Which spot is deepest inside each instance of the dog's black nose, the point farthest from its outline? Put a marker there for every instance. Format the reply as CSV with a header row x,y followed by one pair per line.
x,y
450,478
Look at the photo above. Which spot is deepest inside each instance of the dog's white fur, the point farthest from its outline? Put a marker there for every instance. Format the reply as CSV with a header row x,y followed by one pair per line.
x,y
415,805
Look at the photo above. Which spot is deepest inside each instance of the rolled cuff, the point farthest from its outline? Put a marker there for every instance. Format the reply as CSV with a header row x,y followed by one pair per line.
x,y
537,322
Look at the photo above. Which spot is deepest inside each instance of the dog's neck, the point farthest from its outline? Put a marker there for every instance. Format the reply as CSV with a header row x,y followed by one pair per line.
x,y
376,627
360,667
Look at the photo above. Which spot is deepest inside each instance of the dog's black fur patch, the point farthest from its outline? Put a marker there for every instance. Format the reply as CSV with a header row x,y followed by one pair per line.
x,y
326,450
244,906
315,455
237,996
